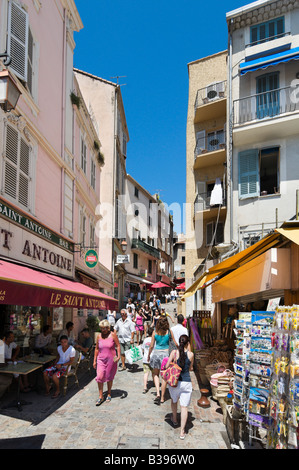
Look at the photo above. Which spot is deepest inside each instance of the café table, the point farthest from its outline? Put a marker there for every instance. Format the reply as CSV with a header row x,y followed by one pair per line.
x,y
38,359
20,368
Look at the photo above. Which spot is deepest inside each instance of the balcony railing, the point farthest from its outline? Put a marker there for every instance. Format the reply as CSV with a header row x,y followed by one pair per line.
x,y
265,105
211,93
210,143
203,201
267,39
138,244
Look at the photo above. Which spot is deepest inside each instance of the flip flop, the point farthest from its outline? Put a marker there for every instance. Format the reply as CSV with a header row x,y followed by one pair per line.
x,y
99,401
173,423
145,390
56,395
108,399
157,401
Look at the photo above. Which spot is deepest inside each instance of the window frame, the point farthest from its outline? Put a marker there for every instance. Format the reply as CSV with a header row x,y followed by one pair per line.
x,y
266,25
17,166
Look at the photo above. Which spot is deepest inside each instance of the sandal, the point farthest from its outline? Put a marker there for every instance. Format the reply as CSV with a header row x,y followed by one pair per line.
x,y
145,390
183,436
56,395
157,401
173,422
99,401
108,399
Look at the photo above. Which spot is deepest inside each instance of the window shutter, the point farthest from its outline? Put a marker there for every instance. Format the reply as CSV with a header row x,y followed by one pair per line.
x,y
18,40
24,174
17,167
249,173
11,162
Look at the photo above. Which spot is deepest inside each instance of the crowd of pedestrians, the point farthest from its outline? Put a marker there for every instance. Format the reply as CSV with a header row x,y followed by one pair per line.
x,y
161,341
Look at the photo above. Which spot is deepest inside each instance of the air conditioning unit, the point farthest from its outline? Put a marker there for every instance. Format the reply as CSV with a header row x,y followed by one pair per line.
x,y
214,91
251,240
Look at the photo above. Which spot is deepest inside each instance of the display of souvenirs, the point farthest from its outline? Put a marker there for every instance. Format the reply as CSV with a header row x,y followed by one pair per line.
x,y
284,390
260,369
242,348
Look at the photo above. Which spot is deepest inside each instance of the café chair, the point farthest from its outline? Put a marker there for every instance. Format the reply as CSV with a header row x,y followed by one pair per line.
x,y
72,372
88,358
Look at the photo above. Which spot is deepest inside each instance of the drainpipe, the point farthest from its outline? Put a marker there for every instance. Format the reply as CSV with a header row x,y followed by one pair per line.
x,y
63,82
113,186
230,131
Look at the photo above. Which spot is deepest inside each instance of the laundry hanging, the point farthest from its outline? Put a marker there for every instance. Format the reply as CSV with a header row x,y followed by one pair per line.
x,y
216,194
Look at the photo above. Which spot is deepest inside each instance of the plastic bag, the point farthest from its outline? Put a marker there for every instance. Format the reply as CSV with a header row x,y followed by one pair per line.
x,y
134,354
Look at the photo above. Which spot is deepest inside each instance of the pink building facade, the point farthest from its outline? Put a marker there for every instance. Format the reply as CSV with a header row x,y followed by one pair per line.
x,y
50,171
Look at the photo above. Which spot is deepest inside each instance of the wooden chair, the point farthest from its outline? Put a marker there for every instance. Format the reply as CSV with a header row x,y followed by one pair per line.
x,y
72,372
88,358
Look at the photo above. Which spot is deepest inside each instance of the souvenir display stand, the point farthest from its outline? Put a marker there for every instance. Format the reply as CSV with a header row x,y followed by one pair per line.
x,y
252,368
260,372
284,393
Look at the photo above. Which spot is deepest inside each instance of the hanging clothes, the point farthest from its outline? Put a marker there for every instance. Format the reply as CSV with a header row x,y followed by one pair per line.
x,y
217,194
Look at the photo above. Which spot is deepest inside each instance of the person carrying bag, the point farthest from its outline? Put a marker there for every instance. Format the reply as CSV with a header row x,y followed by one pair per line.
x,y
181,361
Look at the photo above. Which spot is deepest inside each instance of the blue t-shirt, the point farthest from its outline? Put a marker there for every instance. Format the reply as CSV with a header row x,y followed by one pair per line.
x,y
162,342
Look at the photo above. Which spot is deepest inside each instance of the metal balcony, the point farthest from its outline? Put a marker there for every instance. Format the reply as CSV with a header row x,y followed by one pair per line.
x,y
138,244
203,202
211,143
210,102
266,105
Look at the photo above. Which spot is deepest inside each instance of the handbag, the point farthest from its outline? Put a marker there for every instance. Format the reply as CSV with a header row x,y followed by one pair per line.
x,y
172,374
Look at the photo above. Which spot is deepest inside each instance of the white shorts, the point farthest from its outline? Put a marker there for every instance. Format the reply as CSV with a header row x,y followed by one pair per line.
x,y
183,392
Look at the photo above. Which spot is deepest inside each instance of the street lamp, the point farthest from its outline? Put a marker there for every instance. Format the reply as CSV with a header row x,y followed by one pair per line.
x,y
124,246
9,92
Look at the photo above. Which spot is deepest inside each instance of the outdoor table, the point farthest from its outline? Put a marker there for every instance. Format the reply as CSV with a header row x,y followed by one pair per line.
x,y
21,368
37,359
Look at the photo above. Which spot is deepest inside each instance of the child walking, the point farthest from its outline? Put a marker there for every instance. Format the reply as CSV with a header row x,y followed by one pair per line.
x,y
146,366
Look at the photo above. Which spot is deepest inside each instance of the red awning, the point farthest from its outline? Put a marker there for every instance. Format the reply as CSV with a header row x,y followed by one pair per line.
x,y
181,286
20,285
158,285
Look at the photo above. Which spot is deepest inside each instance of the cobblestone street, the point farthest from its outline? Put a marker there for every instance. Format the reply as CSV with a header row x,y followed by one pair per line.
x,y
130,421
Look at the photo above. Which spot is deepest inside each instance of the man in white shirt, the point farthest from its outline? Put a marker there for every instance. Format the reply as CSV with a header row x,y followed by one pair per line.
x,y
125,330
43,341
179,329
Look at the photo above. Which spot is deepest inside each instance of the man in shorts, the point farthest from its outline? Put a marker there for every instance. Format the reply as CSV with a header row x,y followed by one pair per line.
x,y
125,330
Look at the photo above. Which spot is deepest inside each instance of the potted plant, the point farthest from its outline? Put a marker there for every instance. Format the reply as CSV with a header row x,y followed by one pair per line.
x,y
92,323
101,158
76,100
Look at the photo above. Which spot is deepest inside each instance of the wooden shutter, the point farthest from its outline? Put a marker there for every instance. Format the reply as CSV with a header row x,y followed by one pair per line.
x,y
11,162
18,40
23,195
249,173
16,167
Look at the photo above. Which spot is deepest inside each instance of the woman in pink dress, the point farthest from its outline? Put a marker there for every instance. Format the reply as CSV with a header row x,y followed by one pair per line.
x,y
105,359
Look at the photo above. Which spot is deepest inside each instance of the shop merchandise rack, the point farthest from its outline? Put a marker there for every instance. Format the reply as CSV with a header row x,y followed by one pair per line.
x,y
252,367
284,394
260,372
242,347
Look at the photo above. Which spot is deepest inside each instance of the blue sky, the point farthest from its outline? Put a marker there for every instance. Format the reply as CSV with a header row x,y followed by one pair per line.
x,y
148,44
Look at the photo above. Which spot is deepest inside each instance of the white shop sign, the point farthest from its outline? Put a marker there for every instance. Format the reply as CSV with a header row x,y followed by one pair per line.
x,y
21,245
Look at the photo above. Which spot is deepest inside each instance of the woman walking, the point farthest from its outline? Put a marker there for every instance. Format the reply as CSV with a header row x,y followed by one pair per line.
x,y
183,391
105,359
139,318
148,319
159,350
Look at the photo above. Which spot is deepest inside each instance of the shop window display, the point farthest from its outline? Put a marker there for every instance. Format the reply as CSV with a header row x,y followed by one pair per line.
x,y
25,322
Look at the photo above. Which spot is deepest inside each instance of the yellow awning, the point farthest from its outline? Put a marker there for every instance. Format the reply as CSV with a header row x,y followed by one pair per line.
x,y
232,263
292,233
198,284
